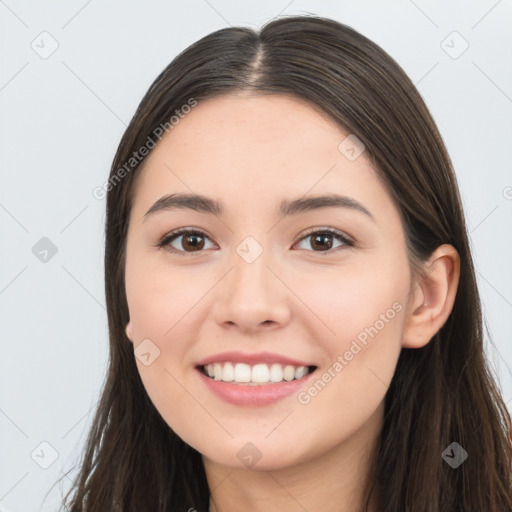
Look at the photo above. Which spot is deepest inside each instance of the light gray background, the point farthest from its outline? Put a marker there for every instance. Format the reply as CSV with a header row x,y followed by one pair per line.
x,y
61,120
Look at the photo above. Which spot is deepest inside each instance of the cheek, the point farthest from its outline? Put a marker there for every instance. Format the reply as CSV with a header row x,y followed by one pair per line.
x,y
161,300
367,314
361,309
354,303
164,307
161,312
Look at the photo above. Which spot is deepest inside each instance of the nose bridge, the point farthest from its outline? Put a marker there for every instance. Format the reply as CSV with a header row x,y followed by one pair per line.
x,y
251,293
251,275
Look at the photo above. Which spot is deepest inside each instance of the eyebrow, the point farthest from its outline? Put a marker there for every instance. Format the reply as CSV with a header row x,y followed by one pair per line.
x,y
203,204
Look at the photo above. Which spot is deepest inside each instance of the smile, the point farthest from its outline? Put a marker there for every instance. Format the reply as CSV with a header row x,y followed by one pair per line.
x,y
255,375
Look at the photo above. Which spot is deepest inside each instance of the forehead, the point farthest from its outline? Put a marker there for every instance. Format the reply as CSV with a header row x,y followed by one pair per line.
x,y
241,149
232,126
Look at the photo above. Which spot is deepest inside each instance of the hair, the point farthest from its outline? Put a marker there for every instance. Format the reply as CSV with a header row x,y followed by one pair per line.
x,y
442,393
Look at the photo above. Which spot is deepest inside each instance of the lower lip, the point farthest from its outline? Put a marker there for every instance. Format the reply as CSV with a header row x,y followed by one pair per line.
x,y
257,396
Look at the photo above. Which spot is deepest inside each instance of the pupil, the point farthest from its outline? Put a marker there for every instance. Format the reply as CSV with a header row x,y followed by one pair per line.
x,y
318,238
187,240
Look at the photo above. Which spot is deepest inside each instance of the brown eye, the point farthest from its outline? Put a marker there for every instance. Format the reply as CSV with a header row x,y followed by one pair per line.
x,y
194,242
324,240
321,241
191,241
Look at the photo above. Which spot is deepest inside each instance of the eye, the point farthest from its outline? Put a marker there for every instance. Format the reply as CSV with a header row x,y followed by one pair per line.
x,y
322,239
191,241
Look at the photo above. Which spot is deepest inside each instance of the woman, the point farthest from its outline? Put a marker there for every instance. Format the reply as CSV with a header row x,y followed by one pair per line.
x,y
293,312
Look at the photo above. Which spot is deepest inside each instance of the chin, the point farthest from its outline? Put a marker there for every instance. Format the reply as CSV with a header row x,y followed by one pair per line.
x,y
261,455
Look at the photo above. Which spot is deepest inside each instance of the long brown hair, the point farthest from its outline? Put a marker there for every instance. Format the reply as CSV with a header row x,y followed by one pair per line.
x,y
440,394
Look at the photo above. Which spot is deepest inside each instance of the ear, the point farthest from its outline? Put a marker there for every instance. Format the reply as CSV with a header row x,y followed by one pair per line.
x,y
432,297
129,331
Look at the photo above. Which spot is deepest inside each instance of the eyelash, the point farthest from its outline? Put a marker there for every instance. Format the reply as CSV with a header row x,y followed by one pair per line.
x,y
164,243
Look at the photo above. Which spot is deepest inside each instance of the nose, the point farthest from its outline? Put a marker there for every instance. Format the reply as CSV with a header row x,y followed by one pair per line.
x,y
252,296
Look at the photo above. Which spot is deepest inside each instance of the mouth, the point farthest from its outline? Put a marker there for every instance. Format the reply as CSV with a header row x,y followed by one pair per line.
x,y
260,374
254,380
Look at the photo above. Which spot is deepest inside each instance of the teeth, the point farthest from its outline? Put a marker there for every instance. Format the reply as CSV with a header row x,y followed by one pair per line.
x,y
300,372
217,371
258,374
242,372
276,373
228,372
288,372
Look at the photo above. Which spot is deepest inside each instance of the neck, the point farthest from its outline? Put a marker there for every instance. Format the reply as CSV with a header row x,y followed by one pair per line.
x,y
332,482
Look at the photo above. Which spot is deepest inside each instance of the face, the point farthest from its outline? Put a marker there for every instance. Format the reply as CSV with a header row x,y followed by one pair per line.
x,y
305,301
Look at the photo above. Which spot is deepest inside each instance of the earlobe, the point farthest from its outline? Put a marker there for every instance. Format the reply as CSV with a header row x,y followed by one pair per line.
x,y
433,297
129,331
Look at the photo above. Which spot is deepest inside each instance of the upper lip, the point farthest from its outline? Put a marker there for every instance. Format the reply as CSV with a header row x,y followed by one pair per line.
x,y
251,359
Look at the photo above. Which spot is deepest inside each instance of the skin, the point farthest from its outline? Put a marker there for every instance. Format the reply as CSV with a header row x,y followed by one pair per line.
x,y
251,152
